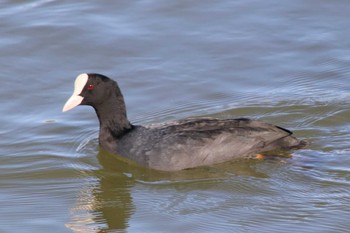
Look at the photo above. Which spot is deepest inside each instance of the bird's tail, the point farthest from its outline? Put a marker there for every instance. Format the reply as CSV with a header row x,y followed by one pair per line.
x,y
301,144
287,143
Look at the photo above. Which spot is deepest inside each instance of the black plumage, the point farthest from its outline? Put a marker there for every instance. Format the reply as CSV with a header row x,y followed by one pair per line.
x,y
180,144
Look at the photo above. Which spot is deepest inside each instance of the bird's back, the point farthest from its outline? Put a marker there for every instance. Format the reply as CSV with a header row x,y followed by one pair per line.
x,y
196,142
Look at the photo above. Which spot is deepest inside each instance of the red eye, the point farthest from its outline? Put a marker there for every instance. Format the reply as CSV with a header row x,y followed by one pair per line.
x,y
90,87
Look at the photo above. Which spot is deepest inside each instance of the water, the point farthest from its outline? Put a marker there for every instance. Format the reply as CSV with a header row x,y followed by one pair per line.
x,y
286,63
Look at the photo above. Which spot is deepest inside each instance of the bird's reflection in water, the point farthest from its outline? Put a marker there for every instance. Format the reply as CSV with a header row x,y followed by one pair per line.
x,y
106,204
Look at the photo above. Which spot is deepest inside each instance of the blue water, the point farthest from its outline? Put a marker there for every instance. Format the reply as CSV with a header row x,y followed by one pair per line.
x,y
286,63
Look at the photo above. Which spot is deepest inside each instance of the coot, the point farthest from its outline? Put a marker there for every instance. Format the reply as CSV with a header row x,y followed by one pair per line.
x,y
175,145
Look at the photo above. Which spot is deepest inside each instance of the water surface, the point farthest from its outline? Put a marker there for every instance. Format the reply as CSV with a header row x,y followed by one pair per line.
x,y
284,63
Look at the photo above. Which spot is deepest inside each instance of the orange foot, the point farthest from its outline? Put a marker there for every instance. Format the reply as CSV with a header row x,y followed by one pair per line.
x,y
260,156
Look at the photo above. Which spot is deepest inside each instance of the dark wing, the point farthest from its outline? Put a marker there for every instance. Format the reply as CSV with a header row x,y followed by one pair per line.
x,y
241,126
195,142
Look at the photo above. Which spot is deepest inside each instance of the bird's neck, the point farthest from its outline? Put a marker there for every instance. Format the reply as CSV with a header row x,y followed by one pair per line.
x,y
114,123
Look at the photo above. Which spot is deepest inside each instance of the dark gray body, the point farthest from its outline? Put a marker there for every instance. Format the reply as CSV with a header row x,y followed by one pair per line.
x,y
196,142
